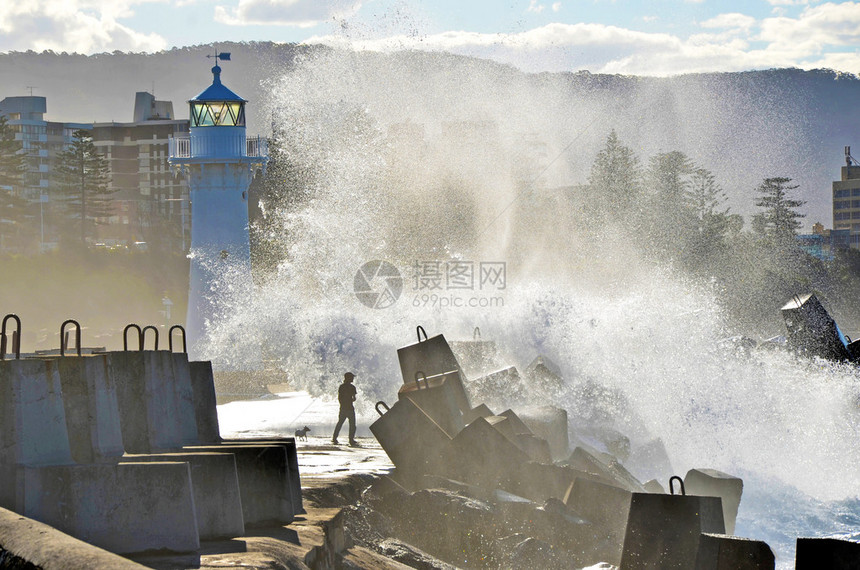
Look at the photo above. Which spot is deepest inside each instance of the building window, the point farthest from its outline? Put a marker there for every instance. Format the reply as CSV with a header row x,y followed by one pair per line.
x,y
842,205
842,216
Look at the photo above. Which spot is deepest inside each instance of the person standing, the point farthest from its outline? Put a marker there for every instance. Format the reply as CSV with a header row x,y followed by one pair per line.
x,y
346,399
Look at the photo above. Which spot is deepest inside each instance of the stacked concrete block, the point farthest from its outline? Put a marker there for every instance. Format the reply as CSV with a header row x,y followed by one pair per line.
x,y
66,423
549,423
90,404
713,483
663,531
125,507
604,467
413,441
215,489
430,357
721,552
830,553
437,396
483,455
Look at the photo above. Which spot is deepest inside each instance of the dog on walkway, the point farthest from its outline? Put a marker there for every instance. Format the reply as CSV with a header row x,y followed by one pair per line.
x,y
302,434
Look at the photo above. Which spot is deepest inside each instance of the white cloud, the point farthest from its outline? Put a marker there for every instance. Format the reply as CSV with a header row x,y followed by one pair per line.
x,y
535,7
556,7
732,20
611,49
83,26
299,13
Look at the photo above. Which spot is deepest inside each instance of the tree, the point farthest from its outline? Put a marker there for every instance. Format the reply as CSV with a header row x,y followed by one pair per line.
x,y
82,179
779,220
670,219
705,200
616,178
12,206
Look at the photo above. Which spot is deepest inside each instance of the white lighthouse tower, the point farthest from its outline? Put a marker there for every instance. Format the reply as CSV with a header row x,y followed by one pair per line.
x,y
219,161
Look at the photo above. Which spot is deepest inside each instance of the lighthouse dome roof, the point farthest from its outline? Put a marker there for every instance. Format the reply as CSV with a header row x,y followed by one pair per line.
x,y
217,91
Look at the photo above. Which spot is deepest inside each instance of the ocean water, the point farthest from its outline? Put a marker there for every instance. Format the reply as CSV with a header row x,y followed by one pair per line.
x,y
453,180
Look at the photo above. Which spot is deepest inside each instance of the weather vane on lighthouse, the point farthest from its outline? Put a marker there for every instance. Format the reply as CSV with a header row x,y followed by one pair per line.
x,y
219,162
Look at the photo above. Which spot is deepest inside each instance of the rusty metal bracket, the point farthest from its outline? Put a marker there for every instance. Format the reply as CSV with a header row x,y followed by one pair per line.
x,y
16,337
418,376
125,336
143,336
383,404
672,480
63,336
170,338
420,330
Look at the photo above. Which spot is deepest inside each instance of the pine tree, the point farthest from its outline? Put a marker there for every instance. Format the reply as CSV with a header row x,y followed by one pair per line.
x,y
779,220
82,180
616,175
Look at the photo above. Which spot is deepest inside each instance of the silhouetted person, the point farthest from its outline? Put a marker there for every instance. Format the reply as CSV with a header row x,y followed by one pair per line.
x,y
346,397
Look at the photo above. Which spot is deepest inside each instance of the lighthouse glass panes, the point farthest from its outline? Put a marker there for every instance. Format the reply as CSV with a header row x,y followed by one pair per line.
x,y
217,114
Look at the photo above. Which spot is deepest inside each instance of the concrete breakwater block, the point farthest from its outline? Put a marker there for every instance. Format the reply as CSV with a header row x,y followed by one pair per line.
x,y
413,441
649,461
124,508
482,455
549,423
430,357
605,468
663,531
479,411
264,481
91,408
289,446
830,553
149,413
437,397
713,483
606,507
215,486
26,543
205,405
33,427
721,552
183,393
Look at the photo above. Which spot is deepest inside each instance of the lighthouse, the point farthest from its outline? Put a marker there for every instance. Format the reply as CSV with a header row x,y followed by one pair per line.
x,y
219,162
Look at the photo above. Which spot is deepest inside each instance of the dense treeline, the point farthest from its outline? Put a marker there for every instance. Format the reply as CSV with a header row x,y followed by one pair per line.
x,y
674,211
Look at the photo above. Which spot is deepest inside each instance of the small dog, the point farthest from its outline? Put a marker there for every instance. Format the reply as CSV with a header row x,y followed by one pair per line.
x,y
302,434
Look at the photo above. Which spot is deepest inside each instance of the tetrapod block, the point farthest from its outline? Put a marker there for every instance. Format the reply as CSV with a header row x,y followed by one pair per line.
x,y
183,394
549,423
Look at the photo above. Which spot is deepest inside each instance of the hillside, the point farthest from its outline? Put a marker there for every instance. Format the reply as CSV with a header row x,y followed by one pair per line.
x,y
742,126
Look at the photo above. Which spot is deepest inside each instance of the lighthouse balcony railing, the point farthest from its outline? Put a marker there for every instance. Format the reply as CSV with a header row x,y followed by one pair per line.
x,y
205,147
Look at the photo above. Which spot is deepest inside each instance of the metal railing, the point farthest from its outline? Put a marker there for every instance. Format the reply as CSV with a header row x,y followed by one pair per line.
x,y
186,147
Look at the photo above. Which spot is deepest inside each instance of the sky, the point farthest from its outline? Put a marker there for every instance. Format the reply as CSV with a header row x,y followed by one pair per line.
x,y
635,37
